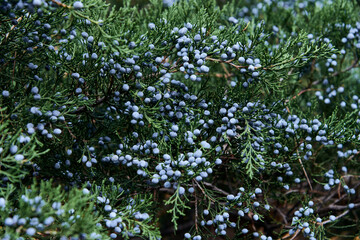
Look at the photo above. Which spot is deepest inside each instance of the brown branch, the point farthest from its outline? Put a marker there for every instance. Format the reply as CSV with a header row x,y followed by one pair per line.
x,y
288,235
12,28
247,25
355,64
295,235
72,135
303,168
181,227
339,207
219,75
301,92
228,62
282,215
13,74
196,209
83,108
340,216
304,191
203,191
61,4
216,188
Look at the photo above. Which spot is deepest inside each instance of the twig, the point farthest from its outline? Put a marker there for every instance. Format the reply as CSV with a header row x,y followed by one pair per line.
x,y
12,28
226,71
282,215
196,209
13,74
83,108
355,64
303,191
288,235
68,128
216,188
340,216
228,62
61,4
247,25
303,168
301,92
219,75
181,227
339,207
203,191
296,233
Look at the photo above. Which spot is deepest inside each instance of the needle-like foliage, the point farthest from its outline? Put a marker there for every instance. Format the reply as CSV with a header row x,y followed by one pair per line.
x,y
179,119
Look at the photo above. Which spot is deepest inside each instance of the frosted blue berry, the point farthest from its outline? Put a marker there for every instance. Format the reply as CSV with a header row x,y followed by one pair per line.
x,y
57,131
48,220
22,221
94,56
205,145
37,97
19,157
75,75
151,26
90,39
37,3
5,93
84,34
78,5
249,61
218,161
47,26
13,149
138,75
2,202
35,90
204,69
156,151
230,197
181,190
258,191
9,221
30,231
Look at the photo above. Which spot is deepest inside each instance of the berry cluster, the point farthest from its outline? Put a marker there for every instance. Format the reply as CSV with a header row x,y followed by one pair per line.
x,y
228,119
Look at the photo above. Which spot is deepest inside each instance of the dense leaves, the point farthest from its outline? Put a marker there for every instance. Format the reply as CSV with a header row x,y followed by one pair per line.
x,y
179,119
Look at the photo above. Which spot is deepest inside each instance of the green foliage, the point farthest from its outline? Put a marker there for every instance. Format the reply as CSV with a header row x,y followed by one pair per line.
x,y
73,211
124,122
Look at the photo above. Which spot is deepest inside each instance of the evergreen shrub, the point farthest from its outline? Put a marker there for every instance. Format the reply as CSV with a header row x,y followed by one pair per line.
x,y
179,119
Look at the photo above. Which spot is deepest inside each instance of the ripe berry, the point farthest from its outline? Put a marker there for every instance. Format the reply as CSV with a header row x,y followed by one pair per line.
x,y
78,5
